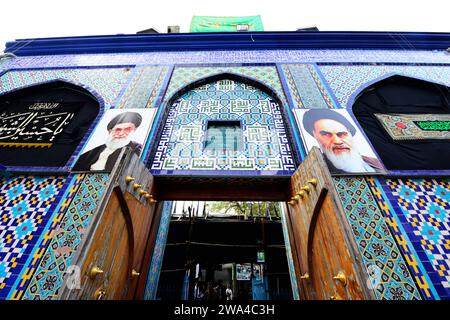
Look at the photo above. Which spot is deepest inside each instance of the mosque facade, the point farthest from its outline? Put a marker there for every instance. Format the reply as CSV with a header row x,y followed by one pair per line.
x,y
222,118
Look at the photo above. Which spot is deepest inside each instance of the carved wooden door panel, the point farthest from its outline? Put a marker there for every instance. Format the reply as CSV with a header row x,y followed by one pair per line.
x,y
111,255
326,259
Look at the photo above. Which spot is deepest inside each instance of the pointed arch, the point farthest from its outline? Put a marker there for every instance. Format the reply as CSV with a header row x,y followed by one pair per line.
x,y
273,101
87,106
398,94
364,87
225,76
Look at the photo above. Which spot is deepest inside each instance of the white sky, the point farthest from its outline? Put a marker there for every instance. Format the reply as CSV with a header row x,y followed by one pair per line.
x,y
54,18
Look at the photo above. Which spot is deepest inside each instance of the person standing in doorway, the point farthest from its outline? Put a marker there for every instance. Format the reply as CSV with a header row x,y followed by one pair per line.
x,y
229,292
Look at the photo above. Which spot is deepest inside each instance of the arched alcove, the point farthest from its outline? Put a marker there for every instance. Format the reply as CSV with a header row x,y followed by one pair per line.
x,y
400,95
52,119
246,110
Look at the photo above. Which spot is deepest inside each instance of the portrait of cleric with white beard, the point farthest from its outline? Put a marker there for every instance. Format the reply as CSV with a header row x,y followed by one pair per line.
x,y
335,135
120,132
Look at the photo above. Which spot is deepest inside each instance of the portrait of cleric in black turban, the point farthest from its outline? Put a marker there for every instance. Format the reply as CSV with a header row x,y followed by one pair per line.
x,y
344,147
118,129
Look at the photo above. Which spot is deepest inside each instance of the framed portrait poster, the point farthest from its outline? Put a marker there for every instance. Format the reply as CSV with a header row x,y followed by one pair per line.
x,y
118,129
345,148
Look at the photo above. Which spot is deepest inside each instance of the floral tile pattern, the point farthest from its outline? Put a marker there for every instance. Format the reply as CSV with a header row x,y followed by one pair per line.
x,y
389,275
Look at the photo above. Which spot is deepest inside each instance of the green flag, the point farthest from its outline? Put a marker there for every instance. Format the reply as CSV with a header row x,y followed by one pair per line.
x,y
226,24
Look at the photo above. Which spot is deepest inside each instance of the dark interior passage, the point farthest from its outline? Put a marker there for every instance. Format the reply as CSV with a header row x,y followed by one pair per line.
x,y
224,249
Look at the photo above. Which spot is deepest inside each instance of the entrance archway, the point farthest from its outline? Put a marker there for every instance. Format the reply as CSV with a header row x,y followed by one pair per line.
x,y
225,131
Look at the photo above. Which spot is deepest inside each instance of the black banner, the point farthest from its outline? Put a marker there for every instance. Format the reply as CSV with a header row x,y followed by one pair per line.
x,y
35,124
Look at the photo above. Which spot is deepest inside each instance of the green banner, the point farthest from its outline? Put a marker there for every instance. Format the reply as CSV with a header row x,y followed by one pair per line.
x,y
226,24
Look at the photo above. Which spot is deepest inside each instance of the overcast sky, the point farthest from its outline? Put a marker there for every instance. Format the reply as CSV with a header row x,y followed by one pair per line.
x,y
53,18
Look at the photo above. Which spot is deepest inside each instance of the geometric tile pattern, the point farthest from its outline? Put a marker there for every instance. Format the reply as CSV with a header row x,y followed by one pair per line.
x,y
106,82
230,56
48,278
306,88
389,274
422,208
265,144
157,88
345,80
72,184
265,74
143,88
27,204
151,286
415,266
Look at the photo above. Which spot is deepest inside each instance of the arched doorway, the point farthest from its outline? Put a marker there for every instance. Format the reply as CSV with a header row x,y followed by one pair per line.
x,y
224,138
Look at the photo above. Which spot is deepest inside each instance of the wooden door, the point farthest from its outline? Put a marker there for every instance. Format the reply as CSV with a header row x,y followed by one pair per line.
x,y
111,255
326,259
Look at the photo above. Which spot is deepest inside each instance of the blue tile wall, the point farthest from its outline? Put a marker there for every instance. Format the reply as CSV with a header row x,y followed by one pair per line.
x,y
49,275
389,276
28,206
241,56
347,81
266,147
419,216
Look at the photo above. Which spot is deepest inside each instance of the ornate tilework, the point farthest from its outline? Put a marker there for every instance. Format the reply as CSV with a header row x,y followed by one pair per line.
x,y
144,87
346,80
240,56
416,268
420,210
306,88
107,82
265,74
415,126
27,205
41,246
378,249
266,147
293,90
48,278
151,287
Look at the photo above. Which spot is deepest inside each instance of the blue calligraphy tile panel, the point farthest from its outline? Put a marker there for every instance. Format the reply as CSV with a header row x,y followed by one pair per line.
x,y
265,146
388,273
264,74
